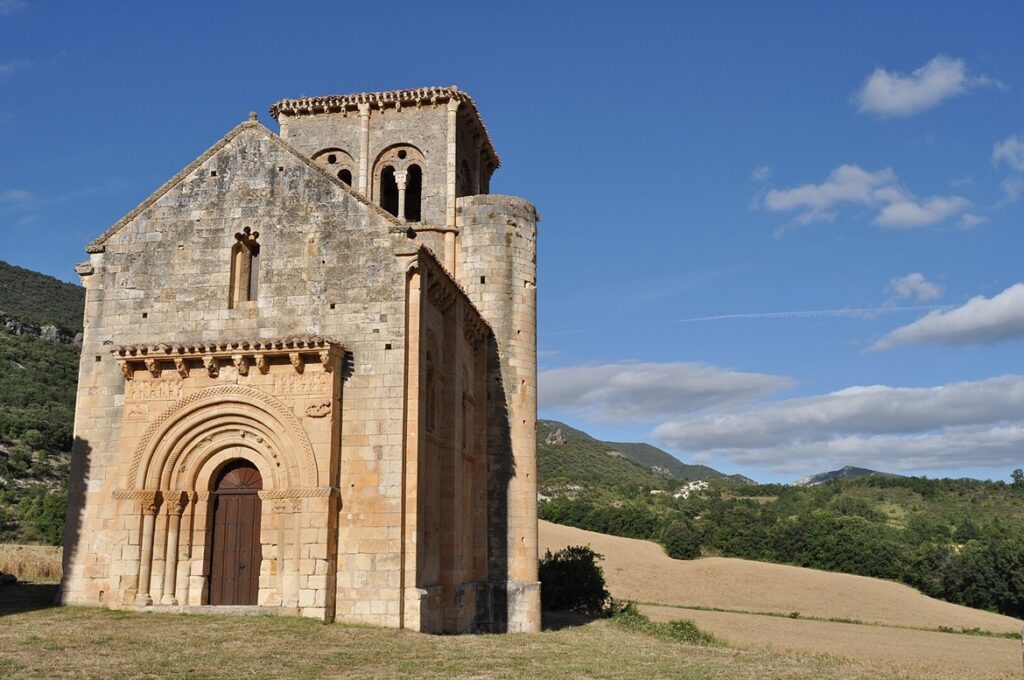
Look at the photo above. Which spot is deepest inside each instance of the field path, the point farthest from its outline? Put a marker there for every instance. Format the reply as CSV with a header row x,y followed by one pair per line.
x,y
640,571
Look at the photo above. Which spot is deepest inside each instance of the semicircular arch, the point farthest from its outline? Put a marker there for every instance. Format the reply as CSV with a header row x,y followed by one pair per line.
x,y
175,432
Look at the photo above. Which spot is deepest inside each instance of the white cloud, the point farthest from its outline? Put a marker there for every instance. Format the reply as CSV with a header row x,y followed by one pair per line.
x,y
9,67
968,424
1009,151
646,392
980,321
11,6
761,174
851,184
894,94
845,184
970,220
908,214
11,196
915,286
1013,189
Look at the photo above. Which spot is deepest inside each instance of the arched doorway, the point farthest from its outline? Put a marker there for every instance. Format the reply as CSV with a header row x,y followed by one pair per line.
x,y
236,549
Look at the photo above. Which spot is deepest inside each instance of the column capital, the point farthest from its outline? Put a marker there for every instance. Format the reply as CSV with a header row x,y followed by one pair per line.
x,y
453,105
364,109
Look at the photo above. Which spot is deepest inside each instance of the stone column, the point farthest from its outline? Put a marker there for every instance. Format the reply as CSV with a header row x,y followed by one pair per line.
x,y
400,177
174,510
149,508
449,236
364,148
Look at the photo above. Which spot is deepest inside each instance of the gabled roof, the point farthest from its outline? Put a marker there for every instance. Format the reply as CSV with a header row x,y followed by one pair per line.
x,y
99,244
338,103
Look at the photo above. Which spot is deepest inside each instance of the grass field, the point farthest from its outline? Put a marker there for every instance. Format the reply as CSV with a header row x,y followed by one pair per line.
x,y
774,629
95,643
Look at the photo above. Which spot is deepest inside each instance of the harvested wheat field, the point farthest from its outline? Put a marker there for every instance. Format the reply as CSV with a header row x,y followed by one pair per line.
x,y
640,571
36,563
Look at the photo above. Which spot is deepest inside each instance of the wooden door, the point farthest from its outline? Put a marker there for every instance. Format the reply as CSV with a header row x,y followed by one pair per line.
x,y
236,551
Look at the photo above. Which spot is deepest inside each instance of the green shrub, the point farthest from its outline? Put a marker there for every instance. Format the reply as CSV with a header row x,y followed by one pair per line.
x,y
572,580
681,541
629,617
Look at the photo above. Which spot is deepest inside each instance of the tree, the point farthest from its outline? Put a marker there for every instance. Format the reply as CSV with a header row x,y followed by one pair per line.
x,y
1018,478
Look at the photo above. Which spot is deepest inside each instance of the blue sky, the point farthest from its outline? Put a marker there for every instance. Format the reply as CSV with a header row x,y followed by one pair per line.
x,y
764,225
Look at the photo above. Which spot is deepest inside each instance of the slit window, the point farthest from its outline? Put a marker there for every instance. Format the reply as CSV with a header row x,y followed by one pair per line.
x,y
245,268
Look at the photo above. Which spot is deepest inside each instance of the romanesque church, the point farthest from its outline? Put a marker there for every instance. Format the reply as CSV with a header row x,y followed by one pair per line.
x,y
308,378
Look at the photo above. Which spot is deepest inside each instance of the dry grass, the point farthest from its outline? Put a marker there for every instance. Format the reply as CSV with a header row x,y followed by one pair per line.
x,y
640,571
95,643
35,563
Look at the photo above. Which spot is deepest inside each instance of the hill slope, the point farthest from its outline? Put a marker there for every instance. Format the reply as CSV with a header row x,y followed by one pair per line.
x,y
39,299
38,377
847,472
640,571
567,456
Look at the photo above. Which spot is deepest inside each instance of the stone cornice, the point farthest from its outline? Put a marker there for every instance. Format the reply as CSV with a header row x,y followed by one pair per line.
x,y
212,355
396,99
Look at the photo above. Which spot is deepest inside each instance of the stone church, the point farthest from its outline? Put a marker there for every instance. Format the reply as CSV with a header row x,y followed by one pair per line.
x,y
308,378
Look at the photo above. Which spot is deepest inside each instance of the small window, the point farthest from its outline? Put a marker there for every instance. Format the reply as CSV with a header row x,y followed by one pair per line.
x,y
345,176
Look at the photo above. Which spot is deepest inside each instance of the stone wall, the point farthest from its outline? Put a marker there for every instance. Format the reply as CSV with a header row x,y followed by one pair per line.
x,y
326,268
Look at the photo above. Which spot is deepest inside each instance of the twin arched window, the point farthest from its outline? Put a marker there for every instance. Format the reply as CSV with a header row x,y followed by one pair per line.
x,y
398,182
397,177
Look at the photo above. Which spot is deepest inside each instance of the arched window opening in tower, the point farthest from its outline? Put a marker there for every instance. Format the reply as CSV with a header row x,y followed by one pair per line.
x,y
345,176
245,268
413,193
389,190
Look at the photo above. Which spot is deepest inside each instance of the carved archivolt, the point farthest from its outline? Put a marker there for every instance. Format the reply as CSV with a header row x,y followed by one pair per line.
x,y
174,434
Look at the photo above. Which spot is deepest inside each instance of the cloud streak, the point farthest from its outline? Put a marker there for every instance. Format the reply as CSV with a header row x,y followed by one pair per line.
x,y
979,321
890,94
967,424
647,392
842,312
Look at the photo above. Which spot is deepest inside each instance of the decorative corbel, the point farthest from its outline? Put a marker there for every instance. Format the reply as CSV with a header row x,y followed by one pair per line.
x,y
297,361
325,359
262,363
126,370
241,362
181,367
153,366
212,365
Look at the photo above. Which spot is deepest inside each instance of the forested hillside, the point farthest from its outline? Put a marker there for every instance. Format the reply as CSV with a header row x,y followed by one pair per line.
x,y
957,539
38,375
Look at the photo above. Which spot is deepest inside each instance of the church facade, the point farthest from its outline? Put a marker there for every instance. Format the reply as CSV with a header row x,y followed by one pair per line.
x,y
308,378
